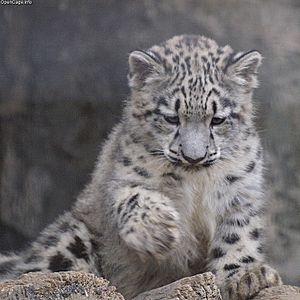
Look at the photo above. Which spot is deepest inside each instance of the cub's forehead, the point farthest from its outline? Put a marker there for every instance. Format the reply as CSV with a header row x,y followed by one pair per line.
x,y
194,53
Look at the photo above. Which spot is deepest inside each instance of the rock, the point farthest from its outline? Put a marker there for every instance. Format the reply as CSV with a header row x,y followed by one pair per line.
x,y
60,285
283,292
201,286
81,286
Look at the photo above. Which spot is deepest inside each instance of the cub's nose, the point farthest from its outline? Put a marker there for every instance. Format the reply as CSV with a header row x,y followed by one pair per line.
x,y
192,161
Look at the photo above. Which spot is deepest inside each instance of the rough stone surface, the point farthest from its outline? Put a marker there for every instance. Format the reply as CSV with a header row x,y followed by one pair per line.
x,y
284,292
63,68
81,286
55,286
200,286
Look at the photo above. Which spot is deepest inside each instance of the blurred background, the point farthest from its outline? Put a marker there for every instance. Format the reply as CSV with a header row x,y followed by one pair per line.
x,y
63,67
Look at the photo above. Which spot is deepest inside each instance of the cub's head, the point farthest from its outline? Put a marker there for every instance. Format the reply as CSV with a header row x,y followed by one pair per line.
x,y
191,99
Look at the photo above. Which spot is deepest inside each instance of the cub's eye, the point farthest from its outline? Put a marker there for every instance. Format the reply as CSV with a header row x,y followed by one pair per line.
x,y
172,120
217,121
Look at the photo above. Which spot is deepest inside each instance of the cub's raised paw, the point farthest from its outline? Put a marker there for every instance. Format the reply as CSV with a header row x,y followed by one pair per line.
x,y
153,231
251,283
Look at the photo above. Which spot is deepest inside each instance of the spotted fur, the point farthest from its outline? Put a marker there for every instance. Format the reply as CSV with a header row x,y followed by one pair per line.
x,y
177,189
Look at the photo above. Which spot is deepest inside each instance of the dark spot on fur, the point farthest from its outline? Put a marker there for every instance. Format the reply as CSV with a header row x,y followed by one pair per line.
x,y
162,101
50,240
231,238
229,267
120,207
132,202
204,59
34,257
134,139
258,153
255,212
167,51
234,115
216,92
125,217
250,167
232,273
188,64
137,116
231,178
79,249
172,175
218,252
59,263
75,226
157,112
64,227
133,185
95,245
226,102
247,259
170,238
126,161
255,234
177,105
142,172
132,199
183,91
260,249
238,222
236,202
214,105
130,230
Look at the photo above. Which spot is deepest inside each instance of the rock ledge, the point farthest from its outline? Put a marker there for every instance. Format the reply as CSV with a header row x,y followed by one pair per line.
x,y
81,286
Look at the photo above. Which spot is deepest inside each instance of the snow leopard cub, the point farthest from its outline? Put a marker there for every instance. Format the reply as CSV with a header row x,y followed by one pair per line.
x,y
177,189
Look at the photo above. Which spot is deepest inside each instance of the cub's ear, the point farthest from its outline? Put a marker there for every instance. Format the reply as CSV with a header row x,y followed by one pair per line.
x,y
142,66
242,69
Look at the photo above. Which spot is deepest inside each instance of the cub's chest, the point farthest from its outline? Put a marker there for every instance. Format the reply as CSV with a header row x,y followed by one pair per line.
x,y
195,196
202,217
198,207
198,219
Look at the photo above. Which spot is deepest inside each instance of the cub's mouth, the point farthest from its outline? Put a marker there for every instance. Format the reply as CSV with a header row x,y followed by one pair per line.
x,y
178,158
192,165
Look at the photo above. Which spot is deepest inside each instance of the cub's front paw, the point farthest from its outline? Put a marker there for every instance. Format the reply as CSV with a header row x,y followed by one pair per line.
x,y
152,230
251,283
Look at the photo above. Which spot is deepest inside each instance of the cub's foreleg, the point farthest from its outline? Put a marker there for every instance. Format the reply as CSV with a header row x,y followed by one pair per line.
x,y
147,221
236,255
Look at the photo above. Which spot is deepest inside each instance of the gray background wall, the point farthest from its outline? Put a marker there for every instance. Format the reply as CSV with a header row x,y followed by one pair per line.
x,y
63,68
